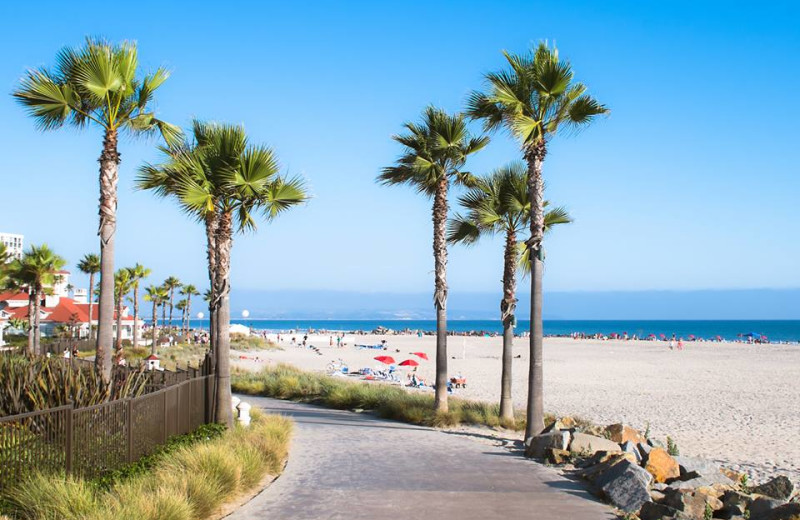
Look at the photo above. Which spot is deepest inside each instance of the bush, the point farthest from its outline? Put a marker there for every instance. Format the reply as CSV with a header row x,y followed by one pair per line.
x,y
246,342
190,482
390,402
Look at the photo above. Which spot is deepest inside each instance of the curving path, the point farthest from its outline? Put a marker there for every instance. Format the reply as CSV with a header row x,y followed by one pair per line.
x,y
355,466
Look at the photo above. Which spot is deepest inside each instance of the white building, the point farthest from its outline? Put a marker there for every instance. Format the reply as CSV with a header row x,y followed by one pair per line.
x,y
13,243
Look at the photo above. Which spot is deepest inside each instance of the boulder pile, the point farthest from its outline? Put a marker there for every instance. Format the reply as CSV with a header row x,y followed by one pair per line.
x,y
641,478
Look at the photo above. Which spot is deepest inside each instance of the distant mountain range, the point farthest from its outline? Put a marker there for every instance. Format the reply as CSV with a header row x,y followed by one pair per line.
x,y
755,304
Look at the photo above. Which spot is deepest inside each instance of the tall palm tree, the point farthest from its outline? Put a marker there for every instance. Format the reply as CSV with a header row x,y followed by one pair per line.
x,y
137,273
170,284
122,285
37,272
189,290
90,264
157,296
225,182
499,204
435,151
533,99
99,84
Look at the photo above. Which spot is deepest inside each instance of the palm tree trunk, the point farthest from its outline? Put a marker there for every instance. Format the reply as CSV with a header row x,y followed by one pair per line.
x,y
440,293
31,342
119,321
109,166
535,409
171,296
211,255
155,326
37,326
91,305
224,242
135,315
508,306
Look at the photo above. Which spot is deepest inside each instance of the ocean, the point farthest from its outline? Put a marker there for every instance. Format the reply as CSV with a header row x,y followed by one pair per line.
x,y
774,330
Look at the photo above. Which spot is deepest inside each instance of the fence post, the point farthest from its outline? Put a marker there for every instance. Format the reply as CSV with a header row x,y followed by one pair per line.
x,y
68,461
129,421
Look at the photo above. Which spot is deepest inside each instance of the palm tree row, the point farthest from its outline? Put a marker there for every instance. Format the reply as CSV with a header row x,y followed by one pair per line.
x,y
222,180
534,98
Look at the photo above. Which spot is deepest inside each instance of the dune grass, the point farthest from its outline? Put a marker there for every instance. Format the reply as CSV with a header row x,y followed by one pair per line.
x,y
189,483
390,402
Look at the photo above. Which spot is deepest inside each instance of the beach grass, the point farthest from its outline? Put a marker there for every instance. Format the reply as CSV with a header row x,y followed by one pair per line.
x,y
189,483
389,402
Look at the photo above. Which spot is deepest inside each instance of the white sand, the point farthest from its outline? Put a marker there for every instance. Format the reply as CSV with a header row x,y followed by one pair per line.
x,y
733,403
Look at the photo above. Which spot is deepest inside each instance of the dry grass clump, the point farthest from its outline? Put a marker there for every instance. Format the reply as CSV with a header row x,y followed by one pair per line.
x,y
390,402
190,483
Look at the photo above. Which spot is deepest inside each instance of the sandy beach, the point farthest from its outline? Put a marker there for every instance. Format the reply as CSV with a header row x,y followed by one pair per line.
x,y
728,402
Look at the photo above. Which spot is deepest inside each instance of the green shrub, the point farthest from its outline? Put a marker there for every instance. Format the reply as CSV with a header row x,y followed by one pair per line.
x,y
672,447
188,482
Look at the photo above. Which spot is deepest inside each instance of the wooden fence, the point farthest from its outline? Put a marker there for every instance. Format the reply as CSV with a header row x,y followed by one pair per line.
x,y
94,440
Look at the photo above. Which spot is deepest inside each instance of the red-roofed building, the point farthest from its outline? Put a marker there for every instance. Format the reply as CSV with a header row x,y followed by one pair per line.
x,y
60,311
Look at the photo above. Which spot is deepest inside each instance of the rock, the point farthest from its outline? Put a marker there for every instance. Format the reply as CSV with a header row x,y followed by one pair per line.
x,y
763,505
593,473
652,511
731,474
626,485
556,456
789,511
620,433
644,450
536,447
779,487
690,503
630,447
589,444
734,504
661,465
656,496
698,482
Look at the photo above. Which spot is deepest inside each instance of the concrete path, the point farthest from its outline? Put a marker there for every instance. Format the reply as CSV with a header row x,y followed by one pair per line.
x,y
354,466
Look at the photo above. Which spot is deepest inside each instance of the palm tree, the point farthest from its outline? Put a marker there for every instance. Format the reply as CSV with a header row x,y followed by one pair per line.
x,y
156,295
183,306
98,84
5,258
171,284
189,290
223,181
90,264
532,99
499,204
435,151
137,273
122,285
36,271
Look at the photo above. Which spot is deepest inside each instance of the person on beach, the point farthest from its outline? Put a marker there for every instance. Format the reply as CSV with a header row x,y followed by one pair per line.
x,y
680,344
672,343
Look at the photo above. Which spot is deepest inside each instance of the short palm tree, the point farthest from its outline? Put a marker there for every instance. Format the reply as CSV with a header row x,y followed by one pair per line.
x,y
189,290
225,182
90,264
98,84
5,258
183,306
499,204
137,273
122,285
37,272
155,295
435,151
171,284
534,98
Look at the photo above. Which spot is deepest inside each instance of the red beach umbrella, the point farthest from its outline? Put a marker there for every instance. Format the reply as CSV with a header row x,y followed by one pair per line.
x,y
389,360
421,354
409,363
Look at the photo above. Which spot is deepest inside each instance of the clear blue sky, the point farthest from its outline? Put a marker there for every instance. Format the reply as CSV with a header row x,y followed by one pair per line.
x,y
691,183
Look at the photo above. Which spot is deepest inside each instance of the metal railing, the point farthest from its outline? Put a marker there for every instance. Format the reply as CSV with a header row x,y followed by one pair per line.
x,y
91,441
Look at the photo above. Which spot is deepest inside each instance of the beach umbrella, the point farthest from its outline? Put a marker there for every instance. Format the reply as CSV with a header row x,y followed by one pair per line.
x,y
409,363
388,360
421,354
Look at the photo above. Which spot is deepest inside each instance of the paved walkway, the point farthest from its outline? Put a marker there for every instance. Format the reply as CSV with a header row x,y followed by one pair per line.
x,y
354,466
